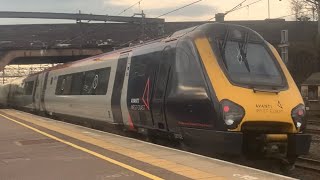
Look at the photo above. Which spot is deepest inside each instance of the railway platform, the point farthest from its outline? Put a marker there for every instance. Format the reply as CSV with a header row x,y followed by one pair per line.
x,y
34,147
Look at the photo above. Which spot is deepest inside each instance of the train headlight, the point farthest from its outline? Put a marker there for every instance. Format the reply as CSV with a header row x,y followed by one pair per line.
x,y
298,113
232,113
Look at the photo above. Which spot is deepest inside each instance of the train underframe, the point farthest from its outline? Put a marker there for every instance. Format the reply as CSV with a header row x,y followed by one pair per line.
x,y
253,145
286,147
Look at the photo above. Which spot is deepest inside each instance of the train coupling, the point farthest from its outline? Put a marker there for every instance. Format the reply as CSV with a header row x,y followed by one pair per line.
x,y
274,143
275,137
288,144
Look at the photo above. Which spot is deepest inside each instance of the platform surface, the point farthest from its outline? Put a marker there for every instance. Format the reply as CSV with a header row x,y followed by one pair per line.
x,y
34,147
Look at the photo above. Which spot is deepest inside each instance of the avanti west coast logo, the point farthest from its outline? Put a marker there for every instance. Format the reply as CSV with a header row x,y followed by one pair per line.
x,y
269,108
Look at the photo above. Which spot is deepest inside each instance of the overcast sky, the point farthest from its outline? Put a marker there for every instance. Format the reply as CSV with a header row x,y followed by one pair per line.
x,y
152,8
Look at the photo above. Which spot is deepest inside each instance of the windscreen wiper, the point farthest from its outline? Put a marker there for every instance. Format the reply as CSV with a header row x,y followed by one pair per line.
x,y
275,91
243,47
223,47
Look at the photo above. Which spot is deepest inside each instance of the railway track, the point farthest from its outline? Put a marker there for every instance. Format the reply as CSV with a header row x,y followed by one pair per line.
x,y
314,122
308,164
313,131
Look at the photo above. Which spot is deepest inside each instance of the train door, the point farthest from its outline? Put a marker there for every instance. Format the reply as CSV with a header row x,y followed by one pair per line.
x,y
117,88
38,91
34,101
143,69
43,91
159,90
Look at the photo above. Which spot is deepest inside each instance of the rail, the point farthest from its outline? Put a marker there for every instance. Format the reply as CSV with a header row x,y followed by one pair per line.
x,y
308,164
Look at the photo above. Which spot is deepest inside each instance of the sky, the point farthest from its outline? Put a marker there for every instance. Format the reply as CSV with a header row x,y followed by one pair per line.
x,y
152,8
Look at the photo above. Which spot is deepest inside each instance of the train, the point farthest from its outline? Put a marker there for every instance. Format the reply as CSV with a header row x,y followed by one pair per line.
x,y
217,85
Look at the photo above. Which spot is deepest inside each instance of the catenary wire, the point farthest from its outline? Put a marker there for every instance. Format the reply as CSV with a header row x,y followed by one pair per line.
x,y
96,28
232,9
236,9
129,7
194,2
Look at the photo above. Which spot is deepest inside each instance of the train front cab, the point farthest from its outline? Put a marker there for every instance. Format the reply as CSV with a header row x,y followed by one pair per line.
x,y
256,105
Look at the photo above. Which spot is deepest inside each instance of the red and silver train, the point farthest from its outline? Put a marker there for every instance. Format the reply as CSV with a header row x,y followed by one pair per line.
x,y
216,85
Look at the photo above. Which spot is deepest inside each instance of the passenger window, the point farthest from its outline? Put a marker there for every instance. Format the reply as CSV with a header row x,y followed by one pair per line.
x,y
93,82
88,87
77,83
66,85
96,82
60,85
28,87
103,81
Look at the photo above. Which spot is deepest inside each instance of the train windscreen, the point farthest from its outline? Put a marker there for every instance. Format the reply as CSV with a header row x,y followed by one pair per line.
x,y
253,66
245,57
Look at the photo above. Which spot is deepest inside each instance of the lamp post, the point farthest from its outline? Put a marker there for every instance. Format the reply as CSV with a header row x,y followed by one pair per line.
x,y
268,9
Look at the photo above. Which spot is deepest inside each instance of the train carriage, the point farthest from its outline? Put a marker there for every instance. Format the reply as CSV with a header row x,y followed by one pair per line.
x,y
216,85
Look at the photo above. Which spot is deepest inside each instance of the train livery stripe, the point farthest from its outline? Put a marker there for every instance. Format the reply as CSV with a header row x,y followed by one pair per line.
x,y
117,89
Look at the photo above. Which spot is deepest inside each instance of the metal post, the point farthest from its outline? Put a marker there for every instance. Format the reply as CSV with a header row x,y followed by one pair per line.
x,y
143,24
268,9
318,11
284,46
161,29
3,76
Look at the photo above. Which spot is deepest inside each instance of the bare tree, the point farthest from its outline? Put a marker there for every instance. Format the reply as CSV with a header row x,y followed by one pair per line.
x,y
305,9
297,6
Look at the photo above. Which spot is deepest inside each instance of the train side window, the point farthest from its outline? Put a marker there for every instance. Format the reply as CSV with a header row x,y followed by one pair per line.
x,y
187,62
94,82
66,85
103,81
163,71
28,87
77,83
51,80
183,60
89,83
60,85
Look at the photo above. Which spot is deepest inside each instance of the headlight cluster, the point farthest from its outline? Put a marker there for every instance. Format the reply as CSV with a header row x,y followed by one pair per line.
x,y
232,113
298,113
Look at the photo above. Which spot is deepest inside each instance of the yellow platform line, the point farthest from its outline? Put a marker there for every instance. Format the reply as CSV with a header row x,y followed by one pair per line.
x,y
177,168
133,169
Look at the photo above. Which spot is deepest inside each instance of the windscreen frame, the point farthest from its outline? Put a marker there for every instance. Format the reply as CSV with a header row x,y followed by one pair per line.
x,y
208,30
